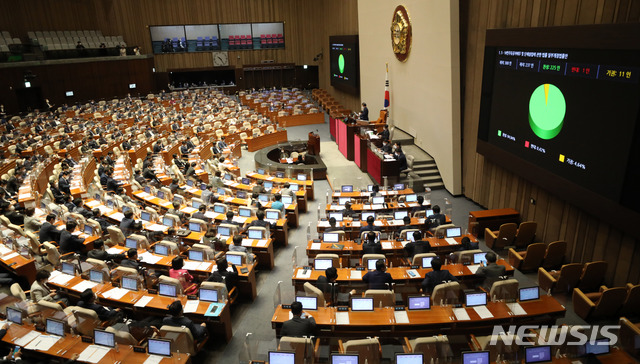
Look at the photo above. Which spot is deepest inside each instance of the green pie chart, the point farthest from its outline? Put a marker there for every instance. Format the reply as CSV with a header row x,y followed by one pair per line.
x,y
547,108
341,63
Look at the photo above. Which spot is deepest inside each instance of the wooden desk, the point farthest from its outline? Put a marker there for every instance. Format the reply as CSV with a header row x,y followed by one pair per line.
x,y
263,249
492,219
439,319
19,265
352,228
308,184
266,140
303,119
379,167
359,195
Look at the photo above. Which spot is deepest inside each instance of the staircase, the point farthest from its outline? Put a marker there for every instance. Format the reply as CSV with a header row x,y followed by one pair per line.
x,y
425,171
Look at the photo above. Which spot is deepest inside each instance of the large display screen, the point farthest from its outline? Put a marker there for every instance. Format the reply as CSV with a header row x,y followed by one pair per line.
x,y
345,63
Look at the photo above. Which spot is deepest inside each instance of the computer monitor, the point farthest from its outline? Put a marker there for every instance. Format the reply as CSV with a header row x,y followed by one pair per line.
x,y
344,358
377,200
475,357
411,198
419,303
145,216
195,227
537,354
429,212
273,215
165,289
268,185
190,183
399,215
409,236
147,189
371,264
221,191
104,338
254,234
55,327
279,174
528,293
129,283
203,186
224,231
370,188
398,186
282,357
322,264
362,304
302,177
159,347
88,229
241,194
245,180
343,200
96,276
287,200
68,268
453,232
219,209
308,303
131,243
228,177
347,188
409,358
479,258
209,295
260,171
330,237
195,204
598,347
336,215
167,221
161,249
294,187
476,299
234,259
14,315
244,212
197,255
160,194
263,197
366,215
426,262
109,205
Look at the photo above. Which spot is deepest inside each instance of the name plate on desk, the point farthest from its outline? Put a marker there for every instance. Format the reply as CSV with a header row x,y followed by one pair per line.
x,y
360,268
286,307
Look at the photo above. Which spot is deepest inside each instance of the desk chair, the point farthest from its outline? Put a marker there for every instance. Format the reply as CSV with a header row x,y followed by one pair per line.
x,y
172,247
142,241
202,223
97,230
222,206
115,235
16,229
449,293
209,253
168,195
369,350
280,213
53,255
123,337
525,234
223,295
35,248
528,260
592,276
152,212
506,351
181,339
86,320
464,256
175,282
304,348
381,297
335,258
175,218
628,337
605,303
417,259
18,292
263,230
506,290
99,264
497,240
363,235
432,347
376,257
441,230
404,233
563,281
312,291
631,305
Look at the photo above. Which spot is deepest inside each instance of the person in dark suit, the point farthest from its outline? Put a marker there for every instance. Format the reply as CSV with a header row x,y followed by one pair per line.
x,y
191,171
126,225
347,211
88,301
259,221
300,325
126,145
407,226
384,134
386,147
177,319
48,232
364,114
437,218
229,219
200,213
420,207
491,272
467,244
99,253
157,148
436,276
69,242
184,148
223,275
132,259
221,145
371,246
63,183
332,226
80,209
112,184
402,160
369,226
58,196
417,246
325,282
379,278
259,187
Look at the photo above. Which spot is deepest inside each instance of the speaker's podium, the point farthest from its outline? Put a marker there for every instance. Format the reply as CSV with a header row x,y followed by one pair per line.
x,y
313,145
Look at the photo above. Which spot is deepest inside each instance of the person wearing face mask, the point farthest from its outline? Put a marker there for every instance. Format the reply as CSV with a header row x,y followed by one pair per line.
x,y
364,114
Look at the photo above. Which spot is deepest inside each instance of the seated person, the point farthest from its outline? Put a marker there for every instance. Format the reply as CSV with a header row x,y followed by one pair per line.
x,y
229,219
40,291
259,187
436,276
132,259
175,186
237,245
379,278
369,226
277,204
97,216
286,190
467,244
225,274
202,209
491,272
48,231
436,219
176,211
31,224
347,211
370,246
259,221
407,226
80,209
88,301
69,242
332,226
417,246
127,222
301,324
420,207
327,282
182,275
177,319
99,253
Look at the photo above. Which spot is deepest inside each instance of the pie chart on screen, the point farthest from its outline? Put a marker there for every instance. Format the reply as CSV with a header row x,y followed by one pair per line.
x,y
547,109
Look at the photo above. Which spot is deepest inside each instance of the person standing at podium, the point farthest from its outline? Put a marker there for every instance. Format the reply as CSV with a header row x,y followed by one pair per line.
x,y
364,114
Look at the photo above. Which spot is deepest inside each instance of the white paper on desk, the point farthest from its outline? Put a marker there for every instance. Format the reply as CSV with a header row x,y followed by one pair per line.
x,y
93,353
316,246
356,274
80,287
342,318
302,274
421,221
387,245
104,210
23,341
336,207
204,266
4,250
396,222
10,255
62,278
247,242
117,216
474,268
92,204
188,210
270,178
461,314
483,312
401,317
149,258
156,227
142,302
356,223
191,265
323,224
115,250
451,241
191,306
404,243
153,359
262,243
115,293
377,223
239,219
516,309
142,194
210,214
43,342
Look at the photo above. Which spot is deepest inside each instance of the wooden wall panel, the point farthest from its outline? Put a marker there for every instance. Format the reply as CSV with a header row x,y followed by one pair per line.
x,y
494,187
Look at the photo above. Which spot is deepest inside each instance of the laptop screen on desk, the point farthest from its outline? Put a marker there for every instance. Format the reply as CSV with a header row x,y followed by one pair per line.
x,y
347,188
167,221
88,229
221,191
197,255
147,189
280,174
281,357
411,198
96,276
537,354
344,359
224,231
365,215
322,264
209,295
377,200
255,234
475,357
55,327
409,358
195,204
426,262
131,243
598,347
104,338
399,215
268,185
244,212
371,264
194,226
419,303
273,215
160,194
159,347
429,212
343,200
129,283
241,194
234,259
336,215
308,303
189,183
228,177
398,186
330,237
453,232
476,299
14,315
245,181
528,294
68,268
302,177
362,304
260,171
480,258
219,209
263,197
287,200
161,249
145,216
294,187
165,289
